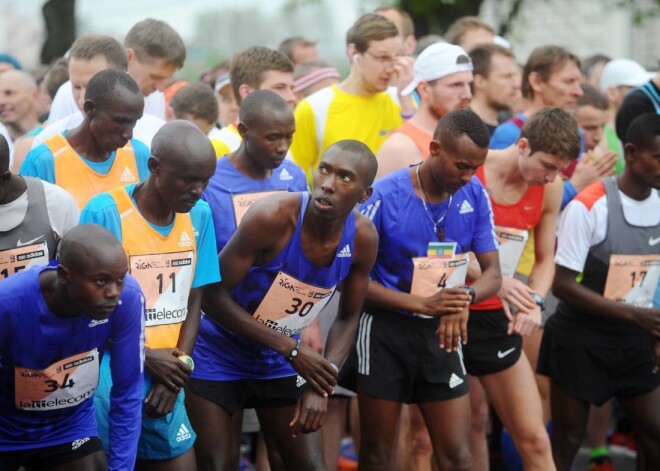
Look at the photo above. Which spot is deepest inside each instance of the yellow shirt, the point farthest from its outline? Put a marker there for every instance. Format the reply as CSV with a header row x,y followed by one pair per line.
x,y
331,115
226,140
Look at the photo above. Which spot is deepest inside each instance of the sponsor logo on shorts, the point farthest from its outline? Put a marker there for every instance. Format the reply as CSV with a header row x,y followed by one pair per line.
x,y
78,443
183,433
466,208
300,381
502,354
285,176
455,381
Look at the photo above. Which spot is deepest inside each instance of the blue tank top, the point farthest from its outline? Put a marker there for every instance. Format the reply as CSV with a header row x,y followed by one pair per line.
x,y
230,193
221,354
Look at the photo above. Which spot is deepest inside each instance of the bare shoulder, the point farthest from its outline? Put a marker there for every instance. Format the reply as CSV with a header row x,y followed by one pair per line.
x,y
273,213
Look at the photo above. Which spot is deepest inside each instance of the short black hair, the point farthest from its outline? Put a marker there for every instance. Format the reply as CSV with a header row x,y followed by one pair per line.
x,y
256,103
643,131
457,123
4,154
361,149
104,83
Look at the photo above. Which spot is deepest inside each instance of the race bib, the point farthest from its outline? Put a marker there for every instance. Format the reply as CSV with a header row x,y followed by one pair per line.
x,y
430,275
512,243
165,280
633,279
63,384
243,202
291,305
17,259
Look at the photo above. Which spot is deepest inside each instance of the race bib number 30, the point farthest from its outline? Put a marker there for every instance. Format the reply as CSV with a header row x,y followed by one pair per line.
x,y
165,280
291,305
633,279
67,383
243,202
17,259
512,243
431,274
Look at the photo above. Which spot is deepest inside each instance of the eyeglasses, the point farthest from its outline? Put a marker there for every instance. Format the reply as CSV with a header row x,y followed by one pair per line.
x,y
385,60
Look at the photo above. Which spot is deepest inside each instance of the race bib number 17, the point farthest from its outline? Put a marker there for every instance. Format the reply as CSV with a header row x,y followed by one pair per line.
x,y
633,279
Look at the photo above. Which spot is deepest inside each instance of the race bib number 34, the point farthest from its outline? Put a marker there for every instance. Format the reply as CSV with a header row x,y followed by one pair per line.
x,y
291,305
633,279
66,383
165,280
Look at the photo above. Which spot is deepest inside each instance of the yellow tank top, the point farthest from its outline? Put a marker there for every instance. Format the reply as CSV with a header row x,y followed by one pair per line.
x,y
72,174
163,266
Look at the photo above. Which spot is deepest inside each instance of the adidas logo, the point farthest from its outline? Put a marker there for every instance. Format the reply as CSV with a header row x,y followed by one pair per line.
x,y
300,381
466,208
284,175
127,176
185,240
78,443
183,434
95,322
455,381
345,252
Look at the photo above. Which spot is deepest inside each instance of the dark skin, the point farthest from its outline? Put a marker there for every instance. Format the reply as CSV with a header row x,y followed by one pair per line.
x,y
107,126
570,414
178,177
11,186
340,184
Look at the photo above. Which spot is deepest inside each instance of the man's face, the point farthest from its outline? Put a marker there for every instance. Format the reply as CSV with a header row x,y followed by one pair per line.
x,y
281,83
94,287
181,182
503,83
268,140
448,93
112,122
81,72
339,183
376,64
539,168
645,164
452,169
17,99
592,121
563,88
227,106
150,74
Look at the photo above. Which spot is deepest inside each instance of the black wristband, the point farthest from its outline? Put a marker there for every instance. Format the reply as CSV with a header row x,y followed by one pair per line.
x,y
471,292
539,300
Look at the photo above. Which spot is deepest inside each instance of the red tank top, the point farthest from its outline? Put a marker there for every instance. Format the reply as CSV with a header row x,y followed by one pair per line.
x,y
525,214
421,138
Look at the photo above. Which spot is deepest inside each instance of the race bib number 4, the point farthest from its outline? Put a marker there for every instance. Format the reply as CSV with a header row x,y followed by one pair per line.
x,y
165,280
243,202
63,384
17,259
512,243
431,274
633,279
291,305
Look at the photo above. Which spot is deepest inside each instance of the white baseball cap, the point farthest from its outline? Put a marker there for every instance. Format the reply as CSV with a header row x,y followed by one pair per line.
x,y
619,72
437,61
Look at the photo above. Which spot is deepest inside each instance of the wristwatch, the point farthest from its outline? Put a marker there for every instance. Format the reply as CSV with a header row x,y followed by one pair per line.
x,y
471,292
539,300
294,351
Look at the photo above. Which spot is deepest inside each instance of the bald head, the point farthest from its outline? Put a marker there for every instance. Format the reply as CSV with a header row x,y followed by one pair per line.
x,y
20,78
260,105
181,141
90,245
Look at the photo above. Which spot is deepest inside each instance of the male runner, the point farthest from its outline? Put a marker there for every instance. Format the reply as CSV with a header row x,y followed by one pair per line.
x,y
168,236
285,261
56,323
416,209
526,195
98,155
34,216
604,340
